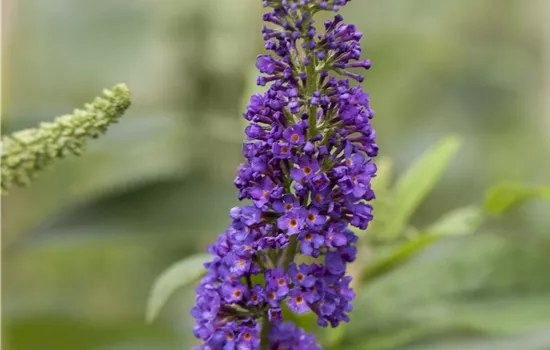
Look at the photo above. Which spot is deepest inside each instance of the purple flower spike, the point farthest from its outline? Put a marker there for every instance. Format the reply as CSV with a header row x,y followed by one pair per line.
x,y
306,179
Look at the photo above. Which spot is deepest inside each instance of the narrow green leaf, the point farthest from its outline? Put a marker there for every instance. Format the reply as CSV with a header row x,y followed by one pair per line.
x,y
508,194
457,222
413,186
397,257
460,221
176,276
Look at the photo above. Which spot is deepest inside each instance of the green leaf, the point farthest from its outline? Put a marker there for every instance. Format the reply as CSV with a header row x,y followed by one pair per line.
x,y
176,276
397,257
458,222
413,186
508,194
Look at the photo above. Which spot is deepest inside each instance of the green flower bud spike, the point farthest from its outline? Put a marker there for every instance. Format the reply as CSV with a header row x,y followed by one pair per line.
x,y
25,153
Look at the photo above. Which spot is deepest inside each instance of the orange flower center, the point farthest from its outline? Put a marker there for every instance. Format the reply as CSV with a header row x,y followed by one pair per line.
x,y
300,277
288,206
311,217
293,223
247,336
281,281
309,236
295,137
237,293
284,149
229,336
299,299
318,198
307,170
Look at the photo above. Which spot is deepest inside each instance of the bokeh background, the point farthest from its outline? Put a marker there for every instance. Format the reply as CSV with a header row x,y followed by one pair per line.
x,y
82,247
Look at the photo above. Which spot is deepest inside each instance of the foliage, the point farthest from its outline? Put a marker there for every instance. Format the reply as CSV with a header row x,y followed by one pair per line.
x,y
178,275
507,194
413,186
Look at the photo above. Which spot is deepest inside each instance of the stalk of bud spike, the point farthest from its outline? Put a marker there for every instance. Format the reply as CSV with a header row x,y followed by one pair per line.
x,y
307,173
27,152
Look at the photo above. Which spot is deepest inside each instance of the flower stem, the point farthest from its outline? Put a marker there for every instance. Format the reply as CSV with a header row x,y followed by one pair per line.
x,y
290,251
264,333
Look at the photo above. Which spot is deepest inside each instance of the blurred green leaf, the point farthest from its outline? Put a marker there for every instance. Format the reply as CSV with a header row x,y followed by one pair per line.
x,y
397,256
458,222
413,186
176,276
508,194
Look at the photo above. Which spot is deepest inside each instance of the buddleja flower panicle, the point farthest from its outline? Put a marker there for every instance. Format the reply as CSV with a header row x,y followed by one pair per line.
x,y
29,151
307,174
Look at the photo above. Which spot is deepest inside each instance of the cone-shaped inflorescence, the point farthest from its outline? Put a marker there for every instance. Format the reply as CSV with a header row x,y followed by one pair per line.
x,y
26,152
307,173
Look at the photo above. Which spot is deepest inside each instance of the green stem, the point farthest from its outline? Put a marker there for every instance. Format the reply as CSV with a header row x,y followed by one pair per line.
x,y
264,333
289,252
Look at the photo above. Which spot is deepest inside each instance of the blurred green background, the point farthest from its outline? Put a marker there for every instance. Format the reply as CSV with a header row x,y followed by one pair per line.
x,y
82,247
